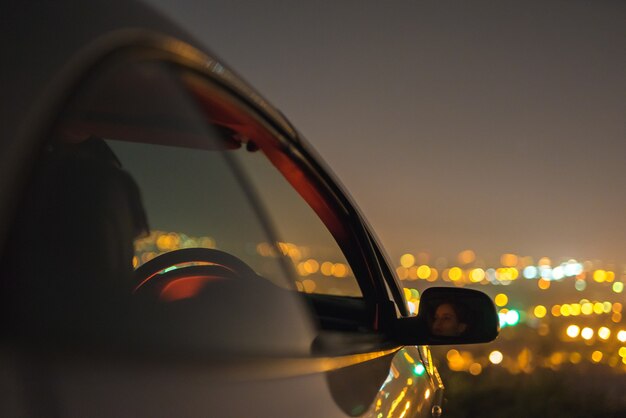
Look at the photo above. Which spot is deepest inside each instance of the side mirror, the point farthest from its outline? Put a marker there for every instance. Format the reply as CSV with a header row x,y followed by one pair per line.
x,y
449,315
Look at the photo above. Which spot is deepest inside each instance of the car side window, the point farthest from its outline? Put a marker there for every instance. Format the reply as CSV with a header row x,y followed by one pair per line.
x,y
156,227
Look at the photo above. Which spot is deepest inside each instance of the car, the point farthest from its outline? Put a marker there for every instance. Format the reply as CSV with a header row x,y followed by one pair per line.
x,y
173,246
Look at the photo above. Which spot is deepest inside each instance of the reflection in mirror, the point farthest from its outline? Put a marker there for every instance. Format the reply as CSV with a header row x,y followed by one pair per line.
x,y
449,320
449,315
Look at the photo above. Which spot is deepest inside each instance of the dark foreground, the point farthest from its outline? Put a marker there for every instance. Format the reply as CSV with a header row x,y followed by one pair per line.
x,y
567,393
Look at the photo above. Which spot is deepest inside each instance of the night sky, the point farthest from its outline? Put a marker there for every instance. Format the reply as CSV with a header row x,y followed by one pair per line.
x,y
493,126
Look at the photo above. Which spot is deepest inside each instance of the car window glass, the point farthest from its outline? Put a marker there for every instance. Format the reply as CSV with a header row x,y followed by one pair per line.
x,y
318,261
136,175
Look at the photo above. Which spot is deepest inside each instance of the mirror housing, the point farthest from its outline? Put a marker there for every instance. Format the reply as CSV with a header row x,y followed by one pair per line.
x,y
449,315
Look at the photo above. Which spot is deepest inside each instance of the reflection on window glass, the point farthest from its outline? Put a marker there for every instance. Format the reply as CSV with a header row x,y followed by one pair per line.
x,y
318,262
193,200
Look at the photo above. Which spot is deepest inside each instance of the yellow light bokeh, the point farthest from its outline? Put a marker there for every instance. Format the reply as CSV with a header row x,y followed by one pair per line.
x,y
587,308
598,308
423,272
599,276
407,260
565,310
477,275
575,358
455,274
621,335
501,299
540,311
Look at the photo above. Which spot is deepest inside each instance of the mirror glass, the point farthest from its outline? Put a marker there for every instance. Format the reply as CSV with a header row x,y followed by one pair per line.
x,y
449,315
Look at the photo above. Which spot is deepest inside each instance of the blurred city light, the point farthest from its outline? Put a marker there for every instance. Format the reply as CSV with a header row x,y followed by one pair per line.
x,y
587,333
407,260
501,299
496,357
573,331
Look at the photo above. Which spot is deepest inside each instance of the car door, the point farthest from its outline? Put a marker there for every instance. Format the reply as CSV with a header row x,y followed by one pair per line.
x,y
194,258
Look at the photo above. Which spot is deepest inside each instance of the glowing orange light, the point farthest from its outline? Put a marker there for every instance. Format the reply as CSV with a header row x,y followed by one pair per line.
x,y
544,261
340,270
508,260
402,272
475,369
543,284
556,358
466,257
309,285
596,356
327,268
311,266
